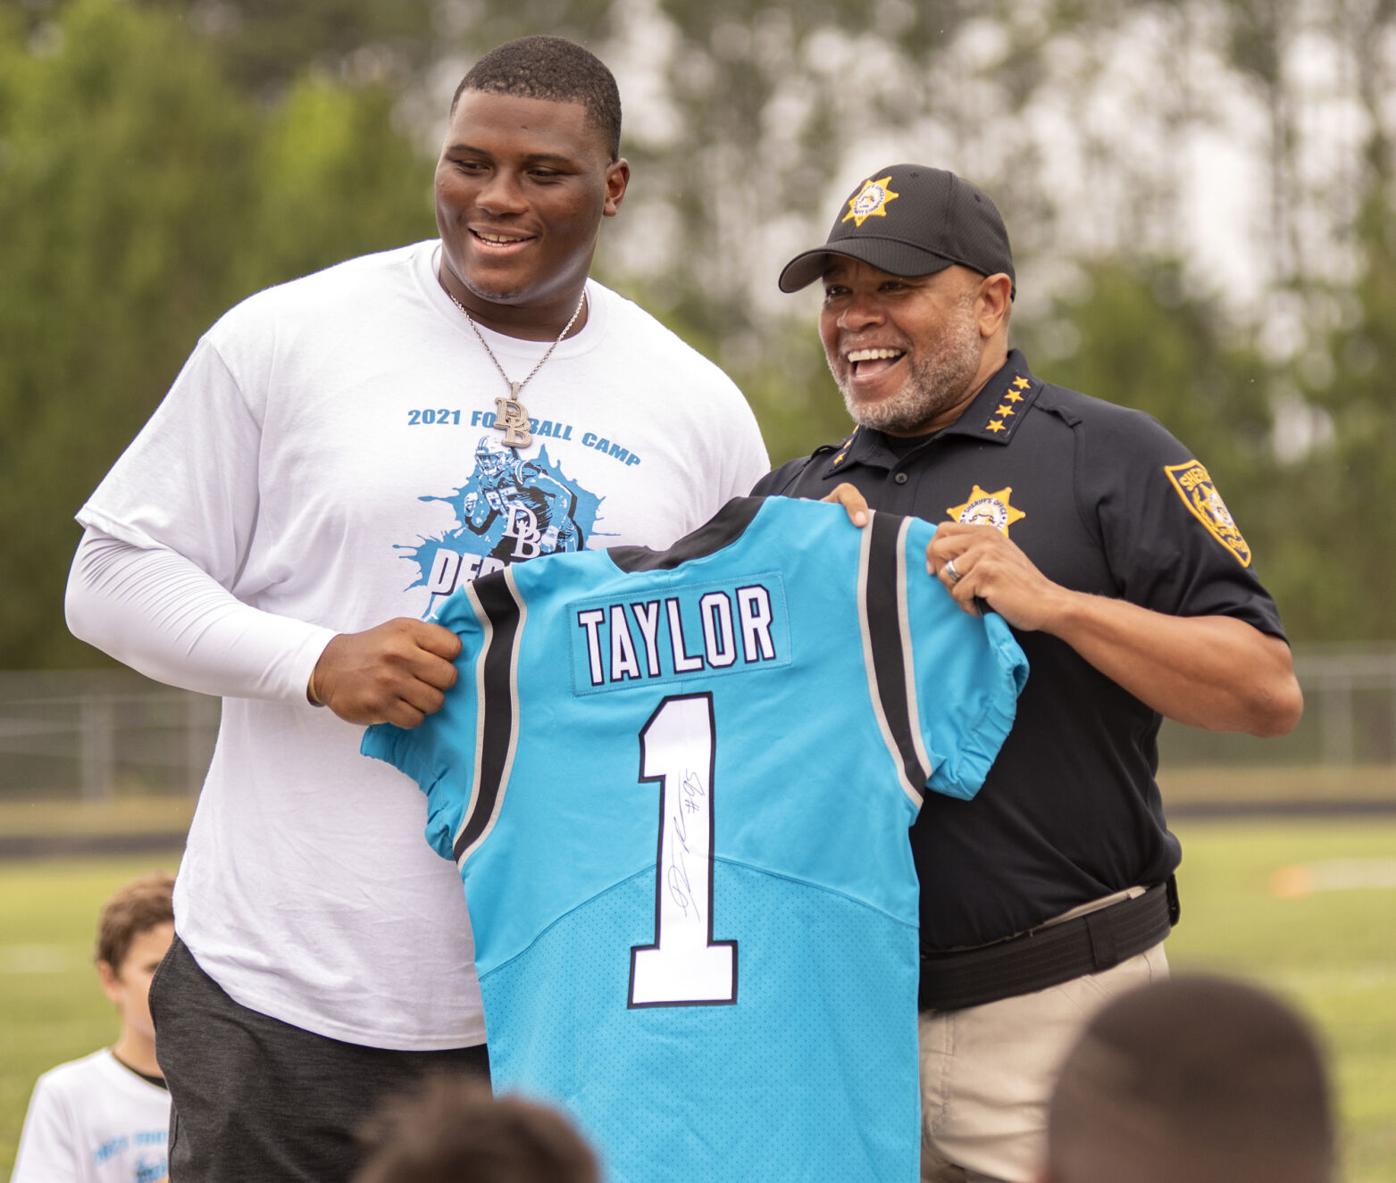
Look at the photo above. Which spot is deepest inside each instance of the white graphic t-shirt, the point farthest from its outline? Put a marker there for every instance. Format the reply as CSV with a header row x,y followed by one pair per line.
x,y
329,454
94,1121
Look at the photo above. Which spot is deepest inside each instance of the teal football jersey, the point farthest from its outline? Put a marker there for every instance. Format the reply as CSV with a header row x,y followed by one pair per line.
x,y
677,785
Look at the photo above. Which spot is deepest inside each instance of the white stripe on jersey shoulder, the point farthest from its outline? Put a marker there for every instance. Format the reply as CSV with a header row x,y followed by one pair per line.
x,y
513,697
508,768
870,663
487,630
913,704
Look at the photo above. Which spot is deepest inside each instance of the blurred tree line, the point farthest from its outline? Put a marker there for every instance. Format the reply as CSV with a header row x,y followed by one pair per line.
x,y
161,159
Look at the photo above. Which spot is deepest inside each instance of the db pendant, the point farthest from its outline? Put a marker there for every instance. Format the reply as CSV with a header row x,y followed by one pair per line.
x,y
511,417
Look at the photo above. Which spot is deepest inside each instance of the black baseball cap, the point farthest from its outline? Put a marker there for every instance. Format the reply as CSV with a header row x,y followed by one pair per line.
x,y
909,219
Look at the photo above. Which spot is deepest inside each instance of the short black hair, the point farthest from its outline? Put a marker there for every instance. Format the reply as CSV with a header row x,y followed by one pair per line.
x,y
1200,1077
452,1128
551,68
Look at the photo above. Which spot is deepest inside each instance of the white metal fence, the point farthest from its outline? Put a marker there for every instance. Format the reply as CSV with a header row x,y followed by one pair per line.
x,y
97,734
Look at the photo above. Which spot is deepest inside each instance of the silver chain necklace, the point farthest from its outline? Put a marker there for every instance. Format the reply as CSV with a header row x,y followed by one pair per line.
x,y
511,416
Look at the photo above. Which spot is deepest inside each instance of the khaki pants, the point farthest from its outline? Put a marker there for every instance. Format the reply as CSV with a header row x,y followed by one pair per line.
x,y
987,1073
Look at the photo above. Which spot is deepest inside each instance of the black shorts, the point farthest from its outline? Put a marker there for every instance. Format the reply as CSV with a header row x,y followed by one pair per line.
x,y
254,1098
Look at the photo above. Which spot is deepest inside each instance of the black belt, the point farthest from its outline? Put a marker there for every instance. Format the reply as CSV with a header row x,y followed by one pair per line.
x,y
1049,955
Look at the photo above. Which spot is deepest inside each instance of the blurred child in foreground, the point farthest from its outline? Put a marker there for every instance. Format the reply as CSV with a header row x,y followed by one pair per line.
x,y
455,1131
1197,1079
105,1118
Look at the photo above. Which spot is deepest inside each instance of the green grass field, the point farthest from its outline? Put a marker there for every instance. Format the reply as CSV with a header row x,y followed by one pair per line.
x,y
1330,949
1308,908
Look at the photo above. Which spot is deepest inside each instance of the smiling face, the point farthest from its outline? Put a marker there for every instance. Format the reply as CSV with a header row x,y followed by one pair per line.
x,y
521,187
909,353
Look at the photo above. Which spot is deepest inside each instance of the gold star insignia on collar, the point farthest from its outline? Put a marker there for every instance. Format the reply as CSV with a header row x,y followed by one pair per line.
x,y
988,509
1013,396
1021,383
870,201
995,425
1004,411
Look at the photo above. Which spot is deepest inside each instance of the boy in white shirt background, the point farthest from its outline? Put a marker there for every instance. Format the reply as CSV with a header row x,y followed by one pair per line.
x,y
105,1118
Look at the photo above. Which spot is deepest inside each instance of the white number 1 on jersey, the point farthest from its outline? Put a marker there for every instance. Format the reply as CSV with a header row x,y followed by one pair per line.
x,y
684,966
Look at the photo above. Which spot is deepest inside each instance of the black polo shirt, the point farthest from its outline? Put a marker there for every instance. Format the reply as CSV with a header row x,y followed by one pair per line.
x,y
1102,499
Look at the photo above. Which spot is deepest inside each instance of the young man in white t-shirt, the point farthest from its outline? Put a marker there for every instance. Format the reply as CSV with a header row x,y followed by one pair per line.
x,y
105,1118
337,456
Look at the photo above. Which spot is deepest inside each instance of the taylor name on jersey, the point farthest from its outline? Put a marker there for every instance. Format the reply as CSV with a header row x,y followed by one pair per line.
x,y
702,628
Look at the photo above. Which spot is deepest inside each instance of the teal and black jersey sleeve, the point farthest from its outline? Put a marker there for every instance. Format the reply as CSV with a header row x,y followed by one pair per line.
x,y
944,687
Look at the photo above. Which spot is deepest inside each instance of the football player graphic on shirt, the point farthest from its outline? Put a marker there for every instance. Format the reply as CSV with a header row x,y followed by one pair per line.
x,y
509,509
536,509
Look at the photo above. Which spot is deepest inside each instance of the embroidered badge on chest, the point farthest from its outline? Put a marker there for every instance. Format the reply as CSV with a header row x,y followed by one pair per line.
x,y
988,509
1193,484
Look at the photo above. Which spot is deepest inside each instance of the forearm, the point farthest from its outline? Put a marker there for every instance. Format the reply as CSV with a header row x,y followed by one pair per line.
x,y
162,615
1215,672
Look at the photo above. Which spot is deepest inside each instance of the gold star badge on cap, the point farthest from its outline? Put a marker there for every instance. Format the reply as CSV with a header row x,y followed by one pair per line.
x,y
870,201
988,509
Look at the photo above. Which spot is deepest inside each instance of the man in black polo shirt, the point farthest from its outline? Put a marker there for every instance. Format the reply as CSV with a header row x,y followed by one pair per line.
x,y
1104,543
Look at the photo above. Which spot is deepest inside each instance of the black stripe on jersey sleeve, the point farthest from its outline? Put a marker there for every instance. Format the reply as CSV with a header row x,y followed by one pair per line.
x,y
886,609
723,528
498,713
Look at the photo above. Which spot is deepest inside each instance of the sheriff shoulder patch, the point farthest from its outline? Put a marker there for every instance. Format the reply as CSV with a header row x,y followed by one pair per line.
x,y
1200,495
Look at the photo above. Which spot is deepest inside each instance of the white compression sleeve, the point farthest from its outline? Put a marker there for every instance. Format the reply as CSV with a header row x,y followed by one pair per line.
x,y
162,615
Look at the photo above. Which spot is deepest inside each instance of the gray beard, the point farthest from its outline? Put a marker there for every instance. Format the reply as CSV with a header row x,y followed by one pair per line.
x,y
936,383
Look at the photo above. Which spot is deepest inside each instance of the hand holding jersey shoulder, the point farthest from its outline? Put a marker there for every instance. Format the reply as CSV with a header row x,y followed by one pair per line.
x,y
852,500
396,672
